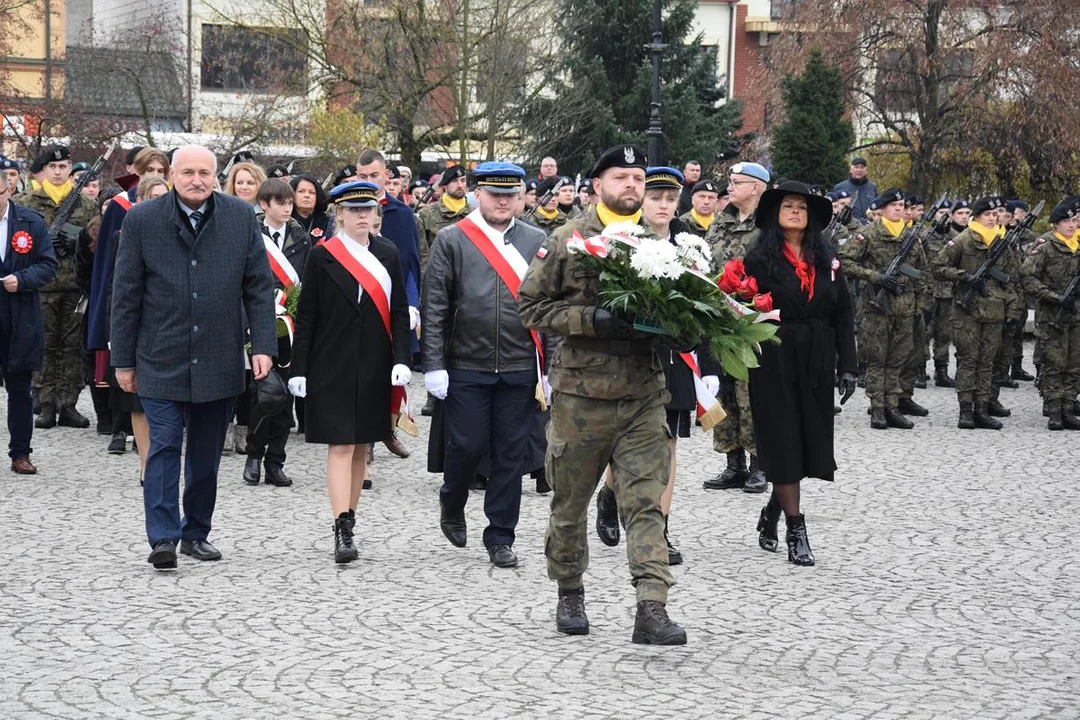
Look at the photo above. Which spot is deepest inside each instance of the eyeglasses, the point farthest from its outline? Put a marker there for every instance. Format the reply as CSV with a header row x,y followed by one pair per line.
x,y
741,182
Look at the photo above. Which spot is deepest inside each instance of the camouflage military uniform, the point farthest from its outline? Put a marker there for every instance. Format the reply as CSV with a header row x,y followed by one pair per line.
x,y
886,333
1047,271
1026,243
915,365
432,218
62,375
549,225
696,227
976,334
729,239
1013,336
940,324
607,407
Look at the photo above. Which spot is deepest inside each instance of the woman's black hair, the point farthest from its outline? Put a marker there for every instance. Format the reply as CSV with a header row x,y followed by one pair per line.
x,y
769,246
322,200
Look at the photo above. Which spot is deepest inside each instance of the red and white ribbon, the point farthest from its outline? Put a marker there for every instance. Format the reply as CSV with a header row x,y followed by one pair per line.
x,y
709,410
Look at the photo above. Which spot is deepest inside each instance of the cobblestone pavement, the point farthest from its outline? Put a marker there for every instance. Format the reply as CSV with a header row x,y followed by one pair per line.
x,y
945,587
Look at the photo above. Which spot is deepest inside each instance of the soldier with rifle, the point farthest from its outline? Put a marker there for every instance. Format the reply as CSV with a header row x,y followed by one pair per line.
x,y
546,213
1051,273
66,211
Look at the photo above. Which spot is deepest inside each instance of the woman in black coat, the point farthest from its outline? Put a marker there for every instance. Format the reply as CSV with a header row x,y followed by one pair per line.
x,y
310,208
791,392
347,352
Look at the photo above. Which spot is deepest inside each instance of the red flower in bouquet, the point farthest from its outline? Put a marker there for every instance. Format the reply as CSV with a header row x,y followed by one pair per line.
x,y
763,303
733,276
748,287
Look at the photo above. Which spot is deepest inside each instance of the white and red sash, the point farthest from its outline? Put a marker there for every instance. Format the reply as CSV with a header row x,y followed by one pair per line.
x,y
122,201
510,266
279,264
374,279
709,410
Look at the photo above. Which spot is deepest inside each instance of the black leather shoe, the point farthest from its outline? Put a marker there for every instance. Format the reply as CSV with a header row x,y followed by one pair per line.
x,y
1019,373
907,406
276,476
674,557
199,549
542,487
46,419
478,483
253,471
967,416
877,419
72,418
733,477
798,544
766,526
607,516
756,482
1070,421
118,444
896,420
344,549
429,407
942,379
995,409
502,556
453,526
163,555
570,617
652,626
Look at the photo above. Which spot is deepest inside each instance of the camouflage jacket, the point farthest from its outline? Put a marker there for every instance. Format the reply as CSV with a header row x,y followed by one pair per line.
x,y
933,242
430,219
694,226
549,226
964,254
867,256
38,201
558,296
730,237
1048,269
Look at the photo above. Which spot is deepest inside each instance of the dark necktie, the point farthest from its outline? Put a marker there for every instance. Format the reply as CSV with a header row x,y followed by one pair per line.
x,y
276,237
196,220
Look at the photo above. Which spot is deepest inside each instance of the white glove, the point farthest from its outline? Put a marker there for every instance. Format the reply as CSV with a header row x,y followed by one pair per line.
x,y
298,386
414,317
400,375
437,383
545,386
712,384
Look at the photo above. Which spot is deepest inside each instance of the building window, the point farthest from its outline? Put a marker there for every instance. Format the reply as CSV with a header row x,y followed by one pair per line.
x,y
258,60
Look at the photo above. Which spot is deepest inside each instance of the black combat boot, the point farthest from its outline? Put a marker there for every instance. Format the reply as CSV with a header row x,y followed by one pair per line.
x,y
967,416
344,550
798,544
996,409
674,557
941,377
1076,407
1072,422
877,419
1006,382
920,381
570,617
756,482
607,516
429,407
1056,420
908,406
652,626
1019,373
766,525
47,417
983,421
896,420
72,418
734,476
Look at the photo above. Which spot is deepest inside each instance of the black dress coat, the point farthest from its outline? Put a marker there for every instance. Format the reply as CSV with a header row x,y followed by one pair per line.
x,y
26,347
792,392
342,349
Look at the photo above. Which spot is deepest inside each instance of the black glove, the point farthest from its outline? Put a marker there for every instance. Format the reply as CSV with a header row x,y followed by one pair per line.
x,y
846,385
891,284
610,326
1010,324
976,282
676,344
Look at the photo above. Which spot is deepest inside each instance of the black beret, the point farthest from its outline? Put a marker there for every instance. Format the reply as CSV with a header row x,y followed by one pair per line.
x,y
585,184
129,159
986,204
543,187
417,185
960,205
55,153
913,200
889,196
9,164
345,172
1065,209
277,170
80,167
704,186
531,185
395,174
621,156
451,174
1014,205
243,156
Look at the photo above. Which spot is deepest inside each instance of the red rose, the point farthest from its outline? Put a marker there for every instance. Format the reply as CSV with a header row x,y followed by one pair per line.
x,y
735,267
748,288
728,283
763,303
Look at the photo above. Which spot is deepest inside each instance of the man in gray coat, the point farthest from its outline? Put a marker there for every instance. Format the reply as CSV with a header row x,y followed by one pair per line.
x,y
187,263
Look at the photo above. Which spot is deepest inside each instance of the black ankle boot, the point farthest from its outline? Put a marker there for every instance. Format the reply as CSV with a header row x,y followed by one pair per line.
x,y
967,416
756,482
766,525
352,520
674,557
652,626
798,544
941,377
734,476
570,617
344,550
607,516
995,409
983,420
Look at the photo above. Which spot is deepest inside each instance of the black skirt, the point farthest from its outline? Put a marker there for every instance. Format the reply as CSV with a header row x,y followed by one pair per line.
x,y
678,421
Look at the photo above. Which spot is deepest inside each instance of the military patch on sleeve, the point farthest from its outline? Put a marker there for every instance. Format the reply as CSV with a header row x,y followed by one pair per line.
x,y
949,244
860,238
542,252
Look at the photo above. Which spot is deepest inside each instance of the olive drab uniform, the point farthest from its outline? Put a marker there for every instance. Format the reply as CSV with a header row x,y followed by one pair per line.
x,y
1047,271
915,365
432,218
886,333
696,227
548,224
62,375
940,330
607,406
730,238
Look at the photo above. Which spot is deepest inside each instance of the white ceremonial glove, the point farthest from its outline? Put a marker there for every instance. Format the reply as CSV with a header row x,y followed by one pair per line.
x,y
414,317
437,383
546,387
298,386
712,384
400,375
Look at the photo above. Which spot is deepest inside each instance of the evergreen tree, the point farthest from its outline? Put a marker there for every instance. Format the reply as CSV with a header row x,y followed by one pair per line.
x,y
813,142
603,87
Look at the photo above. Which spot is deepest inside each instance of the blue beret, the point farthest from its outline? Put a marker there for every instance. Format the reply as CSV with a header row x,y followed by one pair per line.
x,y
355,194
750,169
659,178
9,164
499,177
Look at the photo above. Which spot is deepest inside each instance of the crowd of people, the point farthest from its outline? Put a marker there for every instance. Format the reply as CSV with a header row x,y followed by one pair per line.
x,y
349,284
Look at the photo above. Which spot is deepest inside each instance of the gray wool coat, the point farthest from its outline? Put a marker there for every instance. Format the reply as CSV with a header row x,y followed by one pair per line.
x,y
179,300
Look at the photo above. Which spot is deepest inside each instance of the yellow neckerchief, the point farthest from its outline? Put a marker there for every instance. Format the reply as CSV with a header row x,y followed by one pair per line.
x,y
895,227
608,216
454,205
1001,230
547,214
986,234
34,184
1070,242
56,193
703,220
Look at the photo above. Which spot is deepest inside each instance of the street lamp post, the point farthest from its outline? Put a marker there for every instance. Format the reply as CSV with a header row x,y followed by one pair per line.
x,y
656,47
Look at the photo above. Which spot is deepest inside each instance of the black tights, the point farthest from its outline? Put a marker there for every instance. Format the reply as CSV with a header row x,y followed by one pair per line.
x,y
787,497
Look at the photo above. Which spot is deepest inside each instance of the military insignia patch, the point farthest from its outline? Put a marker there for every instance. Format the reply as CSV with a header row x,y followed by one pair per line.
x,y
21,242
628,154
58,155
860,238
542,252
950,243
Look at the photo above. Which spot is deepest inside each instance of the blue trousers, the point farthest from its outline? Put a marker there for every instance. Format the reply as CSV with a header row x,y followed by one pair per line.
x,y
20,406
205,423
488,413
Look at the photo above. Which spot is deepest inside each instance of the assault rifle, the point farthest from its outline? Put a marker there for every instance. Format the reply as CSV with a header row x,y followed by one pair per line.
x,y
988,268
541,202
430,191
899,265
1068,300
63,233
840,219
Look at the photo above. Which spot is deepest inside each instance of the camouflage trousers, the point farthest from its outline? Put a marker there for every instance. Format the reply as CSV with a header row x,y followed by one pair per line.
x,y
584,436
888,343
736,430
63,374
1059,381
941,330
977,345
916,361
